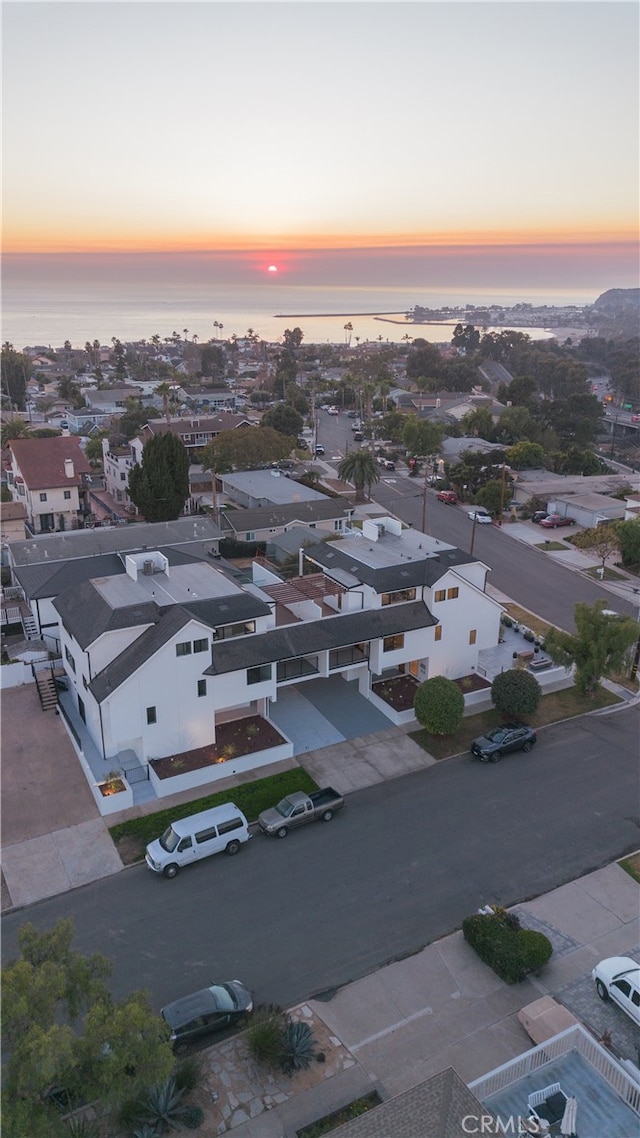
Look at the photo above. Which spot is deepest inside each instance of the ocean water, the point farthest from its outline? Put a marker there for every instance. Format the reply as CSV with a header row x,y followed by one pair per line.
x,y
38,310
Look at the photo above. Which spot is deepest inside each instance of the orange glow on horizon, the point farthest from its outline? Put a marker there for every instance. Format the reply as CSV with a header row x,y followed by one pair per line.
x,y
292,245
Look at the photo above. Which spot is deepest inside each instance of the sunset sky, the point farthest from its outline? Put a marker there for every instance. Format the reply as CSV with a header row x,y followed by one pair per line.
x,y
276,128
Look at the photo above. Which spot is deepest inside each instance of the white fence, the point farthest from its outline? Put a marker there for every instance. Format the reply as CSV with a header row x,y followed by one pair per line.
x,y
572,1039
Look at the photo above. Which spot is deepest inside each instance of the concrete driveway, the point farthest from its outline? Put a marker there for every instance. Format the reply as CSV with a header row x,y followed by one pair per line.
x,y
53,836
323,712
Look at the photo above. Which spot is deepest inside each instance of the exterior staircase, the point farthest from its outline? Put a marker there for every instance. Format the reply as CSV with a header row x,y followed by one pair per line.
x,y
47,691
29,625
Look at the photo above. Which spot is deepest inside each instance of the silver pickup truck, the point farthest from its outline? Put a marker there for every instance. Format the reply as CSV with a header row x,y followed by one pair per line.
x,y
298,808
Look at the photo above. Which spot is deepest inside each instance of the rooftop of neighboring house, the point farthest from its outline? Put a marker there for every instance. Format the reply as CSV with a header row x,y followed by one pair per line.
x,y
108,395
50,463
183,532
543,483
13,511
267,517
270,485
452,449
195,424
388,558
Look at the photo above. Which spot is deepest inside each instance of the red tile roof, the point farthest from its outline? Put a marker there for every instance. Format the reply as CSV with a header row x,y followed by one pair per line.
x,y
42,461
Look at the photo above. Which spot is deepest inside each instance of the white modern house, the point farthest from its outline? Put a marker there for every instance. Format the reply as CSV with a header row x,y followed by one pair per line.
x,y
157,657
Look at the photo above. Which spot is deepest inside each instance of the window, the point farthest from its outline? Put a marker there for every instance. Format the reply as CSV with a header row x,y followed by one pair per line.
x,y
151,715
259,675
70,659
202,687
84,683
452,594
472,636
229,630
183,649
43,497
206,835
232,824
185,844
393,643
201,645
438,632
440,595
250,535
123,477
398,596
67,494
81,710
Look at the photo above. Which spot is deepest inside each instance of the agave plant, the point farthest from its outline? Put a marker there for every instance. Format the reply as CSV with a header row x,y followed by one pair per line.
x,y
299,1048
193,1118
163,1106
145,1131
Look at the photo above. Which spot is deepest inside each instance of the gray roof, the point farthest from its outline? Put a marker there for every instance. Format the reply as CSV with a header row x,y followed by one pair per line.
x,y
228,610
49,579
86,615
433,1109
169,621
293,640
263,517
291,540
270,486
119,539
336,560
453,448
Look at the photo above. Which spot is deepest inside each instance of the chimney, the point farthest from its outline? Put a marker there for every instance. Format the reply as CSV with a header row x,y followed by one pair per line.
x,y
68,468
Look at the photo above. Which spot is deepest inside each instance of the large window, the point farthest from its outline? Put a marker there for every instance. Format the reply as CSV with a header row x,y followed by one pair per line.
x,y
259,675
393,643
398,596
201,645
440,595
183,649
229,630
343,657
452,594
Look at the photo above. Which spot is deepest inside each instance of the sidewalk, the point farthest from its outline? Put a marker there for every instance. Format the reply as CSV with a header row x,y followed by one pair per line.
x,y
441,1007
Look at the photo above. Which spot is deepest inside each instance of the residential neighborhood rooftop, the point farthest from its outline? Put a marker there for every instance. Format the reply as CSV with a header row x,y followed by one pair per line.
x,y
44,463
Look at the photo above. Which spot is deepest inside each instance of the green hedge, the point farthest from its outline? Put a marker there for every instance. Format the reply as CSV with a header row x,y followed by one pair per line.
x,y
512,952
251,797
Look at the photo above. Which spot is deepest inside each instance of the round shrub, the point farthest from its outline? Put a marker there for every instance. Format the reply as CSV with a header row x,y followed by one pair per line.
x,y
439,706
516,692
266,1033
512,953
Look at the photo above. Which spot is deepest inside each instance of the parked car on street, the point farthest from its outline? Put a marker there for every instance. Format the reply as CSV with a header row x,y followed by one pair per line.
x,y
481,515
319,449
618,978
351,414
358,436
223,829
210,1009
552,521
539,516
507,737
447,496
298,808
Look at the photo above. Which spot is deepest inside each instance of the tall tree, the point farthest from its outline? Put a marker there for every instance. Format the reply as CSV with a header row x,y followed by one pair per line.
x,y
245,448
602,541
599,647
61,1027
359,467
284,419
16,371
159,487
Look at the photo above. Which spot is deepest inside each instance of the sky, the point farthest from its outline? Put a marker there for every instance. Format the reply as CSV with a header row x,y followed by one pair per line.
x,y
280,134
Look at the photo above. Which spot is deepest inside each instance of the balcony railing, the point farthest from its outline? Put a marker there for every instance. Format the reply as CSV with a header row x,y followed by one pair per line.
x,y
344,657
572,1039
296,669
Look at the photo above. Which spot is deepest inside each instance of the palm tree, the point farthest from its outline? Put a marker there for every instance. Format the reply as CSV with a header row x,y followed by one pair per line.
x,y
359,468
164,390
15,429
348,329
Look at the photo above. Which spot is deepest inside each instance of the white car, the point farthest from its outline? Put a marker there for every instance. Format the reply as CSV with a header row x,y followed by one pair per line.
x,y
482,516
618,978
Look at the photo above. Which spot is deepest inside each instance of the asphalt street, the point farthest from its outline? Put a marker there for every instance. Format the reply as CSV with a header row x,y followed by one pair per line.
x,y
521,572
401,866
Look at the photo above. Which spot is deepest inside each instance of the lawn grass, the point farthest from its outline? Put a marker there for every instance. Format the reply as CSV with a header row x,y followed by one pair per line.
x,y
609,574
553,707
132,837
552,546
631,865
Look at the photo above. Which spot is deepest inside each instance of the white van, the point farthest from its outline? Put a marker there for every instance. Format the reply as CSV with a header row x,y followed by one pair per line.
x,y
222,829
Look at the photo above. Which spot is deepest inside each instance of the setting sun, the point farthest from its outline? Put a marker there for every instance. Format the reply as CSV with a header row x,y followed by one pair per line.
x,y
272,269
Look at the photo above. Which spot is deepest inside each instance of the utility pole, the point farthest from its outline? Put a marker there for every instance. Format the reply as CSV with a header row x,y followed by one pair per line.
x,y
424,500
502,486
473,533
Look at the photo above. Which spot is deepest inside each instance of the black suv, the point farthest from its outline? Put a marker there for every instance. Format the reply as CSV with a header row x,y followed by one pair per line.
x,y
491,747
210,1009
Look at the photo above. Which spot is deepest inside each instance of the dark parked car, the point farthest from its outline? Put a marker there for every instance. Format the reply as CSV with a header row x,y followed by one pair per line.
x,y
491,747
210,1009
539,516
552,521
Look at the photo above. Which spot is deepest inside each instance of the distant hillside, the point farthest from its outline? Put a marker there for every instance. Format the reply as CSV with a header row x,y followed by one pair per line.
x,y
619,299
